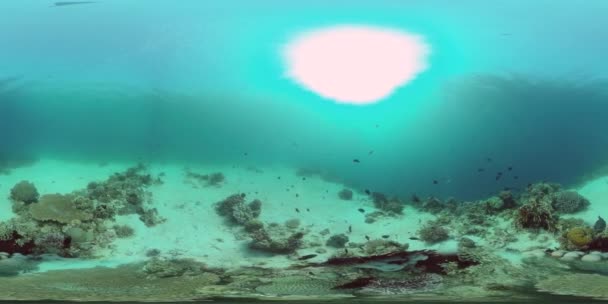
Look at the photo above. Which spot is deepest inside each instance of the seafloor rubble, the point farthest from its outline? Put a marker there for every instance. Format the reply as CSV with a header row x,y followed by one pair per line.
x,y
80,223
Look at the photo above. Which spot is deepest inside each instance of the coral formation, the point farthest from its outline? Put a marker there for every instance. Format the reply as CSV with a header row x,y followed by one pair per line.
x,y
59,208
236,211
536,215
337,241
207,180
433,232
25,192
77,224
345,194
569,202
389,205
167,268
579,236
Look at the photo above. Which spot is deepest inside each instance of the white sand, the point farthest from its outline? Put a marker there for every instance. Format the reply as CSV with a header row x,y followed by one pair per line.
x,y
193,229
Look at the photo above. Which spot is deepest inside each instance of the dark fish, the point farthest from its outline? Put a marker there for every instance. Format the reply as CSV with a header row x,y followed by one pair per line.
x,y
303,178
414,238
308,209
386,236
350,228
245,153
361,210
367,192
297,210
356,161
489,159
64,3
507,189
311,273
367,238
306,257
297,195
498,177
370,152
515,177
278,177
510,168
435,182
498,173
480,169
345,250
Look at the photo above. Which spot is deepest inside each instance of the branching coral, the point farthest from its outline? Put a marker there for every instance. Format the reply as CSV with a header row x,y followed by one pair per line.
x,y
236,211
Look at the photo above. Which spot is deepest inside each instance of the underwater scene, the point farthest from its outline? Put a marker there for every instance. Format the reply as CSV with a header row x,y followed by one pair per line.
x,y
307,151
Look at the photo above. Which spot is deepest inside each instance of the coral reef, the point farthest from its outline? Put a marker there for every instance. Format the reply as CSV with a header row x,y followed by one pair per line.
x,y
207,180
25,192
389,205
77,224
337,241
167,268
432,232
60,208
345,194
569,202
236,211
536,215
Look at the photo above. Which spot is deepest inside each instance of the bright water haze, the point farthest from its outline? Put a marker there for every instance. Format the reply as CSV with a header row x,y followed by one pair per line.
x,y
519,82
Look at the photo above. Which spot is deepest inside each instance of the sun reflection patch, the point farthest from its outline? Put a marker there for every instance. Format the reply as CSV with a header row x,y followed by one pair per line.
x,y
355,64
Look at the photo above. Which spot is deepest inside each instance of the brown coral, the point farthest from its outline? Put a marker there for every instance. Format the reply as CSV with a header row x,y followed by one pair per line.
x,y
58,208
24,191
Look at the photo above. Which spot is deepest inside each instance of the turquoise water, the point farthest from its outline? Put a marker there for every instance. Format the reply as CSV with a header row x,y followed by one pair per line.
x,y
513,88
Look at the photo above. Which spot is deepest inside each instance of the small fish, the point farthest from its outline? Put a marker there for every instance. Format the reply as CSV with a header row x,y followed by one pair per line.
x,y
245,154
510,168
278,177
370,152
488,159
481,169
367,192
498,177
386,236
498,173
515,177
297,210
297,195
361,210
64,3
303,178
350,228
308,209
311,273
306,257
346,250
356,161
367,237
413,238
435,182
